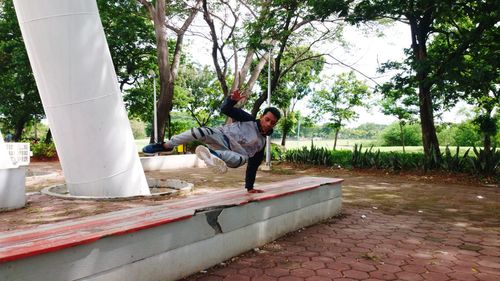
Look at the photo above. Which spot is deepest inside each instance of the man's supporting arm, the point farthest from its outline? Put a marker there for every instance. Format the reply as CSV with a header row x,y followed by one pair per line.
x,y
252,167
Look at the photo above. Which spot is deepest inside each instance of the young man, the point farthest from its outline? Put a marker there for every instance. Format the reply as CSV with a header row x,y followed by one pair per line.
x,y
231,145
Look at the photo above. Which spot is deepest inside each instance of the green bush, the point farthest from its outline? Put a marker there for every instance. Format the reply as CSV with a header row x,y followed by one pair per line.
x,y
43,150
486,163
467,134
455,163
446,134
386,160
319,156
391,135
277,152
482,163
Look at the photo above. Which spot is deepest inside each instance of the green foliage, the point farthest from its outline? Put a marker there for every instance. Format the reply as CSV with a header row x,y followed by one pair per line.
x,y
181,122
446,134
487,124
365,159
198,94
338,102
391,135
363,131
131,39
467,134
34,131
139,98
278,152
319,156
43,150
483,163
486,163
456,162
385,160
463,59
20,102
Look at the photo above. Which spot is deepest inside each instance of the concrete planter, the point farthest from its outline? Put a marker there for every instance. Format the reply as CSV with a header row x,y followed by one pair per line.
x,y
171,162
12,188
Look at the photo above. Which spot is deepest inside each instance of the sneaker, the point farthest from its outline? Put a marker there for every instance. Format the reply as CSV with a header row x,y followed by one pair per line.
x,y
155,148
212,161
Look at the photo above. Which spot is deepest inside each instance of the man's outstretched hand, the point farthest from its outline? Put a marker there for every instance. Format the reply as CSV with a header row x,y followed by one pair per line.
x,y
255,191
237,95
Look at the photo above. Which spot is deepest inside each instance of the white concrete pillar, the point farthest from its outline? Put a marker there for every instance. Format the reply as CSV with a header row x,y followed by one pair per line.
x,y
74,73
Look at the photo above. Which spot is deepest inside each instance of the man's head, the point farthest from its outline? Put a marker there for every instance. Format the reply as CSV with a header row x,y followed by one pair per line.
x,y
268,119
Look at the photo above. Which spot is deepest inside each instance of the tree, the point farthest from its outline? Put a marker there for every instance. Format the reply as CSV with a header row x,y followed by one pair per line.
x,y
473,76
391,135
291,23
265,24
296,83
198,94
132,48
20,102
400,105
339,101
425,19
157,11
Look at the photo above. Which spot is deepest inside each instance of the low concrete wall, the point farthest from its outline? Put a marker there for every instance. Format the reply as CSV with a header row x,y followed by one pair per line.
x,y
12,188
171,162
237,223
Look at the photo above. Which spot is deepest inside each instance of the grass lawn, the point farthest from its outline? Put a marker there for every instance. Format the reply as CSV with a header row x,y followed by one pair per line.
x,y
348,144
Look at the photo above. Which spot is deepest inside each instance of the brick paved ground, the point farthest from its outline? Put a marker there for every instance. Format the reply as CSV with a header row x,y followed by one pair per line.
x,y
366,244
422,228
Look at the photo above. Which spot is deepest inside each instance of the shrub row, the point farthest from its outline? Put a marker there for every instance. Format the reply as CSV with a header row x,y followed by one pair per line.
x,y
478,162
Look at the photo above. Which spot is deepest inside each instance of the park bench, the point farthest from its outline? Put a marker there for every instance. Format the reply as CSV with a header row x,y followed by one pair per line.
x,y
198,230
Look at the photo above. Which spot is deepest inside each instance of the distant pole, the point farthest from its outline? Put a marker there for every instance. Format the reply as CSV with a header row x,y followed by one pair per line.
x,y
155,116
298,128
268,138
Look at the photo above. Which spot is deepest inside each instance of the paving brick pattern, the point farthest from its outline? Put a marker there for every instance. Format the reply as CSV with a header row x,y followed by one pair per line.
x,y
366,244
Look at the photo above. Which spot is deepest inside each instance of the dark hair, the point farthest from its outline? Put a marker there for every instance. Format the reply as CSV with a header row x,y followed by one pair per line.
x,y
274,111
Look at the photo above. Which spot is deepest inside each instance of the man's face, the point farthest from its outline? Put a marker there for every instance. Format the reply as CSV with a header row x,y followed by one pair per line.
x,y
267,122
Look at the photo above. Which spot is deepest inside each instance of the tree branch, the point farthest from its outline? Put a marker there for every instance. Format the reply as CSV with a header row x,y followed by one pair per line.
x,y
353,68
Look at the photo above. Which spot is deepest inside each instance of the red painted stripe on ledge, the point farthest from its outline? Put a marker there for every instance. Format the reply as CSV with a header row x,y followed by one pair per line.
x,y
57,236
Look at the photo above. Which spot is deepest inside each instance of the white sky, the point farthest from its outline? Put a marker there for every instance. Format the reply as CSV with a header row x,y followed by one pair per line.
x,y
366,53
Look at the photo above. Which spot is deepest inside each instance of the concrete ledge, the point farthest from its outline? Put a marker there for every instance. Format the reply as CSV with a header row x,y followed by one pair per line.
x,y
169,241
171,162
12,188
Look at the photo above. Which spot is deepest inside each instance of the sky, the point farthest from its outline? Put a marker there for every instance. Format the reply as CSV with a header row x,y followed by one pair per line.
x,y
367,51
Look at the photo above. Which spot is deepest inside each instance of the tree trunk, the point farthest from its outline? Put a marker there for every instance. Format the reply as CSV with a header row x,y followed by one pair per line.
x,y
487,143
285,128
429,137
48,137
283,137
402,136
35,131
157,14
419,33
163,110
336,136
258,103
18,130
